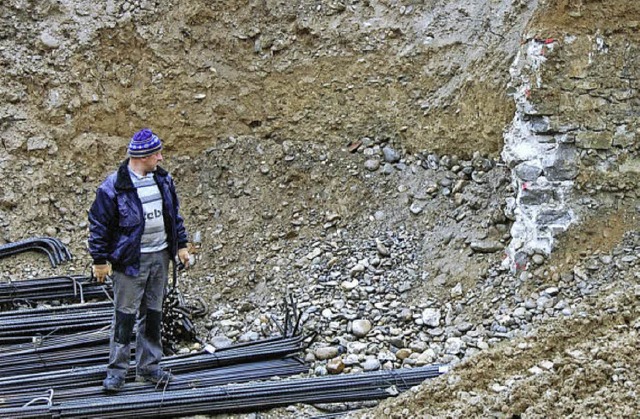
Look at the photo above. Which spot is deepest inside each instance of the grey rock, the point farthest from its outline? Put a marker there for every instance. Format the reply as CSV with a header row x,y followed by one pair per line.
x,y
431,317
418,346
406,315
558,217
326,352
397,341
381,248
387,169
520,312
320,370
49,41
360,328
426,357
540,124
464,327
372,165
249,336
487,246
536,195
563,165
436,331
417,207
371,364
357,347
538,259
351,359
456,291
454,346
390,155
221,342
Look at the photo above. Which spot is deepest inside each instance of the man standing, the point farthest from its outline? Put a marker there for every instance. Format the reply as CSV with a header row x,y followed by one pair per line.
x,y
135,230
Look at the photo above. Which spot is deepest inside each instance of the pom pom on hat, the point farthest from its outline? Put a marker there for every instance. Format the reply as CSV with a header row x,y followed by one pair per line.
x,y
144,143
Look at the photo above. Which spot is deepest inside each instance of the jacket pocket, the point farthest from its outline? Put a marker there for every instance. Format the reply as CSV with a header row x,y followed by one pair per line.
x,y
128,215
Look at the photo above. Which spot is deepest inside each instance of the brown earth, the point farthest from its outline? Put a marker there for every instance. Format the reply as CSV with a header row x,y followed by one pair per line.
x,y
258,103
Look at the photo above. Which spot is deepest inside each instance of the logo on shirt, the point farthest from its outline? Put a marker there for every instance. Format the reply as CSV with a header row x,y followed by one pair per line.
x,y
152,215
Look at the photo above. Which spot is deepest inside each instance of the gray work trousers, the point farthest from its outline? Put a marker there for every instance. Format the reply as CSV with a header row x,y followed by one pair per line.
x,y
142,295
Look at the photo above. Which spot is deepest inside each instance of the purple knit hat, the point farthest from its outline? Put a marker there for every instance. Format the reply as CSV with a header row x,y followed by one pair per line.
x,y
144,143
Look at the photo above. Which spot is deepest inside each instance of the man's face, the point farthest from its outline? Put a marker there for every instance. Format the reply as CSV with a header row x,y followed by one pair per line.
x,y
151,162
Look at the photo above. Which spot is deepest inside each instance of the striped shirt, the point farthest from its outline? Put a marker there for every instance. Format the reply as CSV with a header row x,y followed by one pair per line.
x,y
154,237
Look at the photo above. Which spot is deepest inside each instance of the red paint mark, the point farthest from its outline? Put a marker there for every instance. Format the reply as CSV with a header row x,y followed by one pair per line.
x,y
521,266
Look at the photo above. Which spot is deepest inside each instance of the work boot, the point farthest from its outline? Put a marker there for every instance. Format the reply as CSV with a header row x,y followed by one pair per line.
x,y
156,376
113,383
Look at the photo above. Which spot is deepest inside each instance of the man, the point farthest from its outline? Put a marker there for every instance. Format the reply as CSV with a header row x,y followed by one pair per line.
x,y
135,229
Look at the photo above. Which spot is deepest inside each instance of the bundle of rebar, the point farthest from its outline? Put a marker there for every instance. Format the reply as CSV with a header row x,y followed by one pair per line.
x,y
63,370
85,388
56,251
55,352
23,326
233,397
73,288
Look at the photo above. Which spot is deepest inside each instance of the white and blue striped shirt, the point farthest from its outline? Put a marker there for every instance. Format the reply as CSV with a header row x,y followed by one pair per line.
x,y
154,237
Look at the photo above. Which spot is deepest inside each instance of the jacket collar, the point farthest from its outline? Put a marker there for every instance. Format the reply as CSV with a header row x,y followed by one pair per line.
x,y
123,179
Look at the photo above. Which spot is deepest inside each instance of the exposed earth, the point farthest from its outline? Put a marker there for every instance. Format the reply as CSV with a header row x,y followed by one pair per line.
x,y
351,154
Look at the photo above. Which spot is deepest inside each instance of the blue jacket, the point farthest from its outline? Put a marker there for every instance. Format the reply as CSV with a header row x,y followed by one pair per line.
x,y
116,223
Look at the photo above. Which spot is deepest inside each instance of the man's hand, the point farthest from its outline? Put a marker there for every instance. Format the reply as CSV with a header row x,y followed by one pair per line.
x,y
101,272
183,255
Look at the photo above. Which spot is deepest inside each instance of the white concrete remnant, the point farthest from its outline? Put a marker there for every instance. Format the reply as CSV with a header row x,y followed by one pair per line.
x,y
536,222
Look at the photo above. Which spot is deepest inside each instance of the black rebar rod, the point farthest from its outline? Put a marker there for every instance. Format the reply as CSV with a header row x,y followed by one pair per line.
x,y
73,310
52,259
56,244
29,244
54,343
52,330
46,280
69,308
52,246
52,323
59,287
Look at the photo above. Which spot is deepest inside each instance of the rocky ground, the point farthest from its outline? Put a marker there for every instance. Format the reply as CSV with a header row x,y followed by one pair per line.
x,y
346,154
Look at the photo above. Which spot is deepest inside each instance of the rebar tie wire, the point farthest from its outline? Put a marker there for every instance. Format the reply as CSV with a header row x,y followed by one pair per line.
x,y
164,390
49,399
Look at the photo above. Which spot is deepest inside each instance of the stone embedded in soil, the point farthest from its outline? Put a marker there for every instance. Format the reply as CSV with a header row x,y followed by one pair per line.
x,y
49,41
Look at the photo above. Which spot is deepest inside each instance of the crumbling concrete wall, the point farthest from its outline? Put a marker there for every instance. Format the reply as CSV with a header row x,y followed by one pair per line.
x,y
574,133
